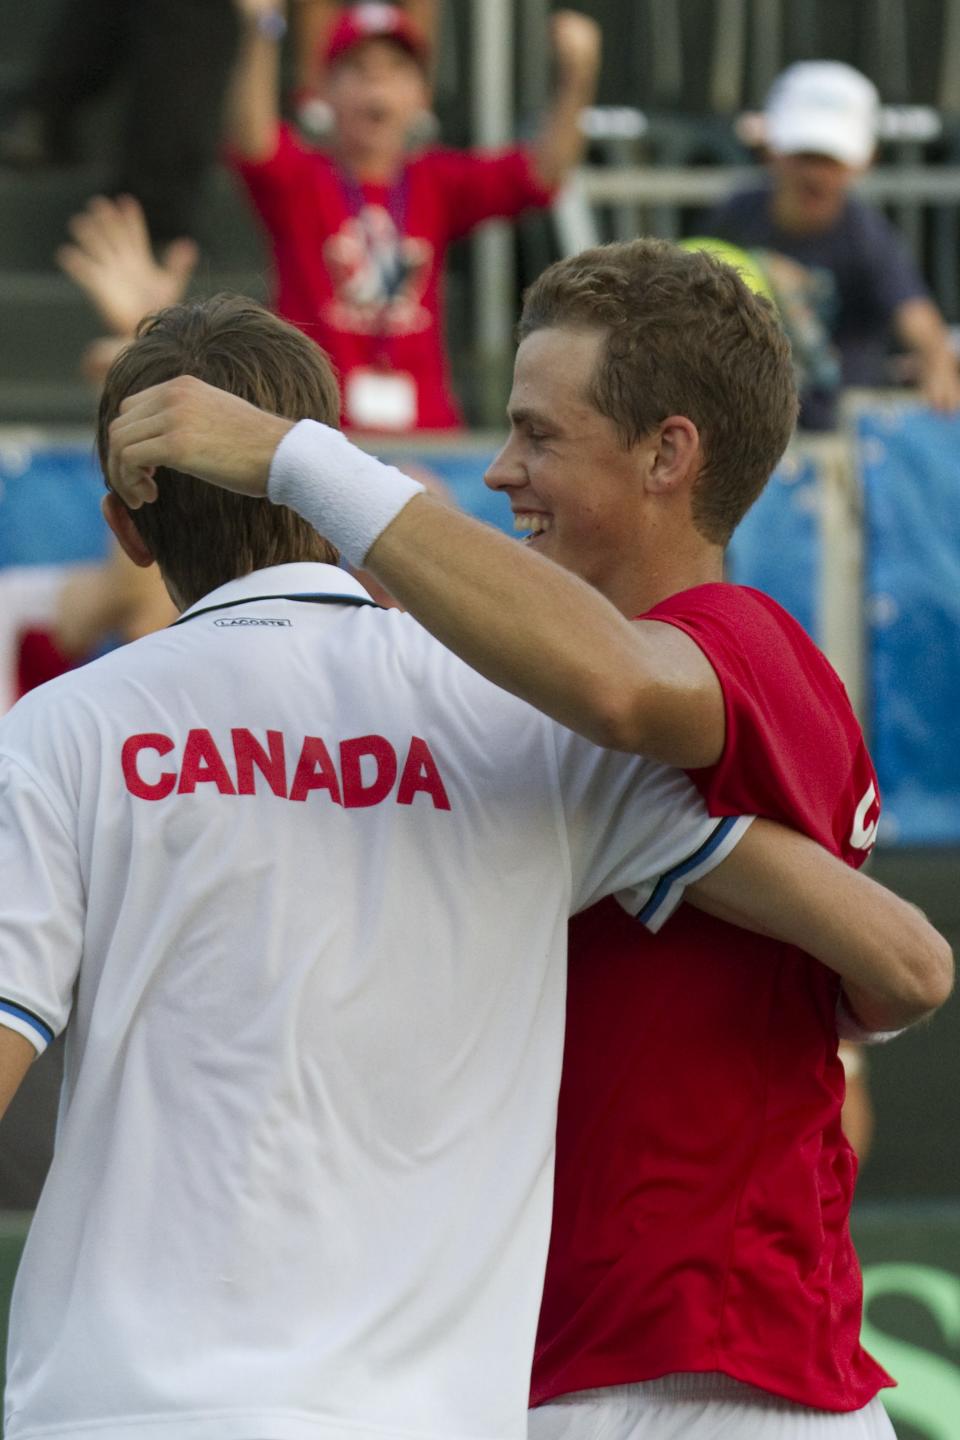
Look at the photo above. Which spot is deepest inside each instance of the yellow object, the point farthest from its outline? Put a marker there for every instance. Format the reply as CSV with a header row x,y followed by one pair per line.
x,y
743,261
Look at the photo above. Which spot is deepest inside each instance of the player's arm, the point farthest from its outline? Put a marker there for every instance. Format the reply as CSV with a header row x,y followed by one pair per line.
x,y
559,145
253,99
16,1057
518,619
896,968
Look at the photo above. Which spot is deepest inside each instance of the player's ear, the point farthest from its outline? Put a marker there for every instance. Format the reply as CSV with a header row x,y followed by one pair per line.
x,y
677,457
120,520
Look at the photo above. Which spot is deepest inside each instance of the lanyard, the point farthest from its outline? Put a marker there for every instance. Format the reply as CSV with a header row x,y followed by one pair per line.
x,y
256,599
386,257
398,195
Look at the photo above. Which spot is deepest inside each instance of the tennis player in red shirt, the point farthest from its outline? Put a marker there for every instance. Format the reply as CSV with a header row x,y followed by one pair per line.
x,y
701,1278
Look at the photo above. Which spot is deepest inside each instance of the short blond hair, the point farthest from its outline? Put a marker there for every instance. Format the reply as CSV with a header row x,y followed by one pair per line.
x,y
684,336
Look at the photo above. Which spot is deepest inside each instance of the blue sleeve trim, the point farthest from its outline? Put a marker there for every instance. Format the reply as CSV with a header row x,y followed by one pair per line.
x,y
662,888
22,1013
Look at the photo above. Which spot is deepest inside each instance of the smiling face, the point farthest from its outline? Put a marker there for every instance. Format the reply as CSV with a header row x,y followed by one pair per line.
x,y
376,90
573,487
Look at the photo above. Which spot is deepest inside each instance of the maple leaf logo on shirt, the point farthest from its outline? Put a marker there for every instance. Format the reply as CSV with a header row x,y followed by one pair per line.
x,y
378,275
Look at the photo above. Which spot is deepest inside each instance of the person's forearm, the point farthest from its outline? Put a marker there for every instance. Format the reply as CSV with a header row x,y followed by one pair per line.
x,y
527,625
921,328
253,101
523,622
895,967
559,145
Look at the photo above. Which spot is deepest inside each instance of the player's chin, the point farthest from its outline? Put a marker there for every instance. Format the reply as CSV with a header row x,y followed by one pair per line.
x,y
550,545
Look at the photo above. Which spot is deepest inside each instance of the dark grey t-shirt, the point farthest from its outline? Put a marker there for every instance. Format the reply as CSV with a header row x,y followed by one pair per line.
x,y
865,272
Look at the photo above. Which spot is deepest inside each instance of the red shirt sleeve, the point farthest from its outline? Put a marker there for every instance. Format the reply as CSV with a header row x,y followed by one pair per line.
x,y
794,751
483,185
275,183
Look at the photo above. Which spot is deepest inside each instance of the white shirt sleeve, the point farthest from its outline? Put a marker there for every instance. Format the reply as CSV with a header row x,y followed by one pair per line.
x,y
637,829
41,909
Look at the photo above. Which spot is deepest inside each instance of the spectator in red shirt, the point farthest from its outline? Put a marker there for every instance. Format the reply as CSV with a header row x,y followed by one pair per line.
x,y
359,231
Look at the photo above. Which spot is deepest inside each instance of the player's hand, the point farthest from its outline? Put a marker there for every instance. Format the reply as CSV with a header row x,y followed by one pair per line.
x,y
577,48
112,261
187,425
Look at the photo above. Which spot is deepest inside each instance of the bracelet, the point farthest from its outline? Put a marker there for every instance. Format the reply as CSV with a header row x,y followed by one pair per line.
x,y
271,24
347,495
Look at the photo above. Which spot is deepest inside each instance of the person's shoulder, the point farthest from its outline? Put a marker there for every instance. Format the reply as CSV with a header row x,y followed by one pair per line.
x,y
719,598
60,719
750,625
865,222
65,698
747,200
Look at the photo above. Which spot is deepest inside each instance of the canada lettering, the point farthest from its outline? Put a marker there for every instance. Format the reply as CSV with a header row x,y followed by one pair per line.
x,y
355,773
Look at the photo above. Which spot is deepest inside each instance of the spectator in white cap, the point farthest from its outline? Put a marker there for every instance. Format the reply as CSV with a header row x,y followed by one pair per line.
x,y
820,133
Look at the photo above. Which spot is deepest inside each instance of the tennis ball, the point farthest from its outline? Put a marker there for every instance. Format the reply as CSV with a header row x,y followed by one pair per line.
x,y
743,261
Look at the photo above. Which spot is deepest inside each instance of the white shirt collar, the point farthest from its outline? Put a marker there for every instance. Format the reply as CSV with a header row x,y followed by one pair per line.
x,y
298,579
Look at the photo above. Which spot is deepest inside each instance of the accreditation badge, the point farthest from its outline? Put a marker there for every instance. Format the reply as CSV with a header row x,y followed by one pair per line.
x,y
380,399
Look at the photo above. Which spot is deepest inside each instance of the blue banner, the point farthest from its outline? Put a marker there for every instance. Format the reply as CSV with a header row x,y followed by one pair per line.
x,y
911,482
776,547
50,505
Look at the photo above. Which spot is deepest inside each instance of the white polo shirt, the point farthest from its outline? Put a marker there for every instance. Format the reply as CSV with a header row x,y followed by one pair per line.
x,y
296,881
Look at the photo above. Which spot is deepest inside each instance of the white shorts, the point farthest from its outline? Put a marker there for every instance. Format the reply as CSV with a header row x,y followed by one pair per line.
x,y
698,1407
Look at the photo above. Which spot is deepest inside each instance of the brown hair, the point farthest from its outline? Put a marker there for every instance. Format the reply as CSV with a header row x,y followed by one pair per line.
x,y
200,535
685,336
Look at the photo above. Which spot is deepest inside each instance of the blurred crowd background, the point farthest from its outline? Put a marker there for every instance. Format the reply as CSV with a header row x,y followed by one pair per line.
x,y
111,95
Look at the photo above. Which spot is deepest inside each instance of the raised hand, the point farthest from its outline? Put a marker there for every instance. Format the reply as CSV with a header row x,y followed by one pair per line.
x,y
112,261
577,47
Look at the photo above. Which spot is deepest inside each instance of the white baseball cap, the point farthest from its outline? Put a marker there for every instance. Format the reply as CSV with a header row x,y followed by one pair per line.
x,y
825,108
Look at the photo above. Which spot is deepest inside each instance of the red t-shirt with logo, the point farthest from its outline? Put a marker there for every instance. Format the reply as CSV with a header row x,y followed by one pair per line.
x,y
359,268
703,1184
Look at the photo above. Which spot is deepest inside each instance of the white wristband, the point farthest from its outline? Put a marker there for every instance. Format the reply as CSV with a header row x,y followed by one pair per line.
x,y
349,496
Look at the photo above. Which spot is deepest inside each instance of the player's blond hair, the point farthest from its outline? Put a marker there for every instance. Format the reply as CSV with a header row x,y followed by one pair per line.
x,y
684,336
200,535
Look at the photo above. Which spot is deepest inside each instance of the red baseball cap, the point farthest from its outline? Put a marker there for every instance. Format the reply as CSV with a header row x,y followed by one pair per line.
x,y
376,22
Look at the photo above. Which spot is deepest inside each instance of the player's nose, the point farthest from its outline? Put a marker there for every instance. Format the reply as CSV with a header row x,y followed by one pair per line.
x,y
504,471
